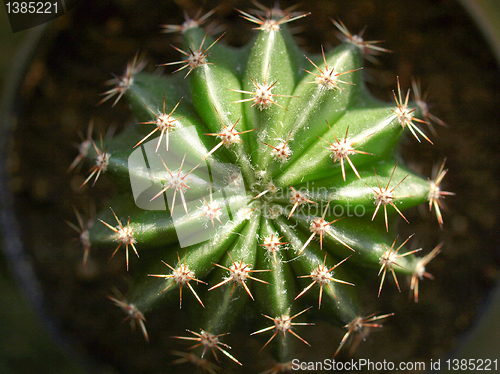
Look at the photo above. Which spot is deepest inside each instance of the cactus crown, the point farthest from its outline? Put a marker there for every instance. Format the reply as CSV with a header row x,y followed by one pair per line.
x,y
263,182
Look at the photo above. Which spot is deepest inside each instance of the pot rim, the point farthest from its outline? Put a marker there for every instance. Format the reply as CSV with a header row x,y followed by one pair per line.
x,y
12,245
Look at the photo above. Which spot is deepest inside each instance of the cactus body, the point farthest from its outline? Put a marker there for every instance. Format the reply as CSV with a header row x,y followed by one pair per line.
x,y
259,179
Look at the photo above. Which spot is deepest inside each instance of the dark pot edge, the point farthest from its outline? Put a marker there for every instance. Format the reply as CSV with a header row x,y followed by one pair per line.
x,y
12,246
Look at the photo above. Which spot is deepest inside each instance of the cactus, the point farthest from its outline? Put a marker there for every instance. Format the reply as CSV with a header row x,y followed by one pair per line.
x,y
259,185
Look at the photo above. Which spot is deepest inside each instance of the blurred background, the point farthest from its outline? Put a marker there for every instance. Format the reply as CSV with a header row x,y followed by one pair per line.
x,y
26,345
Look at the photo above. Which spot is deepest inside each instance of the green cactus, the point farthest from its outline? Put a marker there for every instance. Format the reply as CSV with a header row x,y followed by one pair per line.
x,y
259,183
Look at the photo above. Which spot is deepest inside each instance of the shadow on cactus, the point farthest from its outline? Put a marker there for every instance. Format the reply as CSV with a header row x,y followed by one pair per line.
x,y
262,184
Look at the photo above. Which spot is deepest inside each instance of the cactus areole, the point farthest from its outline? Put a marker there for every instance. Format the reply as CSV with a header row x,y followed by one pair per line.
x,y
259,182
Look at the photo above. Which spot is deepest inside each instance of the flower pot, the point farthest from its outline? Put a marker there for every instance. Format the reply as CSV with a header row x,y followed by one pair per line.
x,y
31,338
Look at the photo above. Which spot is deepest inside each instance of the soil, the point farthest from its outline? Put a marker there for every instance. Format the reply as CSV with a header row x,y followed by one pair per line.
x,y
433,40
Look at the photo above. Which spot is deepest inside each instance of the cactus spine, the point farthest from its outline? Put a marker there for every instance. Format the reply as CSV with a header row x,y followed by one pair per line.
x,y
259,179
